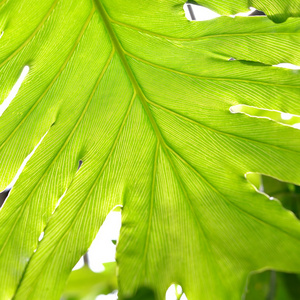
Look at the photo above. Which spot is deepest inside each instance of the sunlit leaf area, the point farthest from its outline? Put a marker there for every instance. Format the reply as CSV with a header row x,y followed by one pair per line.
x,y
149,150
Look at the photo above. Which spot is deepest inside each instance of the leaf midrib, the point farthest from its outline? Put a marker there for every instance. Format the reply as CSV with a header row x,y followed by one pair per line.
x,y
144,101
160,140
121,53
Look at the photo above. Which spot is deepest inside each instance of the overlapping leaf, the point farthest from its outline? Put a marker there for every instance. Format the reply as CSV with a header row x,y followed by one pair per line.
x,y
277,10
142,97
83,284
271,284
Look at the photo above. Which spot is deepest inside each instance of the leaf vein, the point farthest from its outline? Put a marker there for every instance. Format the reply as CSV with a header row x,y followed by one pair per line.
x,y
59,152
145,105
225,198
32,35
205,77
93,185
151,204
200,37
3,2
172,112
53,80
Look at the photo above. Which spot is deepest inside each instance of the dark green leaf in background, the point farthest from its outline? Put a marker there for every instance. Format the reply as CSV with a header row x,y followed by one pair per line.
x,y
83,284
271,285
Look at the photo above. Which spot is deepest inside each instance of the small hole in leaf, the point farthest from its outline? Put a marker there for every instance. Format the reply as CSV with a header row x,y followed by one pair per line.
x,y
287,66
195,12
286,116
41,236
25,161
1,34
256,12
251,12
111,296
274,115
79,165
59,200
190,12
3,196
14,91
175,292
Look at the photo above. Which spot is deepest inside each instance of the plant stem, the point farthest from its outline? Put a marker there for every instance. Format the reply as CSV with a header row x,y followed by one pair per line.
x,y
272,286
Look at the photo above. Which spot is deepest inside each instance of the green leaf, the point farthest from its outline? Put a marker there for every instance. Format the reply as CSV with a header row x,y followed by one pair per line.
x,y
273,286
288,194
142,293
259,286
85,284
142,96
277,10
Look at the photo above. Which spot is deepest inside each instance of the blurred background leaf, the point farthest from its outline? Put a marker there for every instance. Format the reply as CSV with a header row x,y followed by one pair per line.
x,y
143,293
271,285
84,284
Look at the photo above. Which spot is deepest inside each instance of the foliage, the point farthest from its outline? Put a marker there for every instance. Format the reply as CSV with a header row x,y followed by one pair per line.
x,y
83,284
272,285
142,96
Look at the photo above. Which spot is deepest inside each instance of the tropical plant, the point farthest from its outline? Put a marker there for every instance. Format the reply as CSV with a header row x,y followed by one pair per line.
x,y
271,285
83,284
144,98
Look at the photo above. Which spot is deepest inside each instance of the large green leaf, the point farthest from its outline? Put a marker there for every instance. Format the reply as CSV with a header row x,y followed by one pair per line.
x,y
277,10
142,97
84,284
